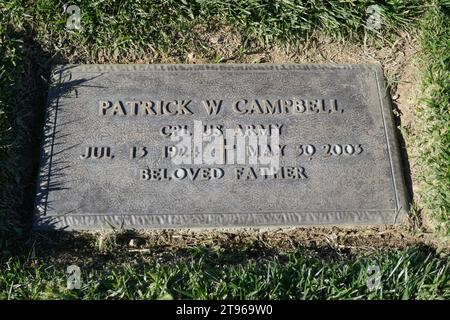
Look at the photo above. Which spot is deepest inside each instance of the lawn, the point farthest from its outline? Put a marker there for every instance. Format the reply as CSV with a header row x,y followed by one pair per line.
x,y
413,46
220,274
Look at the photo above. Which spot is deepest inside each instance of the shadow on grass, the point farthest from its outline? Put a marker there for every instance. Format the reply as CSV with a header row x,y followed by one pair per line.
x,y
26,110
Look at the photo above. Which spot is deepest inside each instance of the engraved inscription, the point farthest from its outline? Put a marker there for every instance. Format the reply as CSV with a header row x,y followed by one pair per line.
x,y
97,153
138,152
250,173
289,106
163,174
214,106
143,108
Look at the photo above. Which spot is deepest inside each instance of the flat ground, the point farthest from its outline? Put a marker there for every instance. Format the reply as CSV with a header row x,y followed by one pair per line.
x,y
413,47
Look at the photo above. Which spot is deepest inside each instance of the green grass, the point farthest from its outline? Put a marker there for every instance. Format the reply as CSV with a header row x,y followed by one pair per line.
x,y
33,36
11,58
170,27
434,136
409,274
